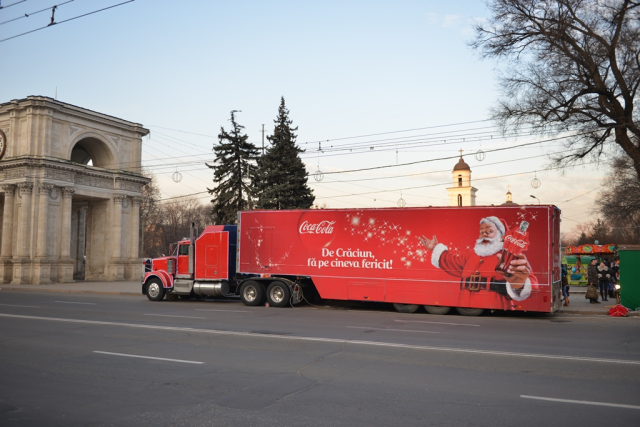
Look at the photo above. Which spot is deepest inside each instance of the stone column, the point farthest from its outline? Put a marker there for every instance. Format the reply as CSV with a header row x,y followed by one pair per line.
x,y
21,261
67,196
25,189
42,265
6,268
65,265
116,267
134,268
117,226
44,190
7,222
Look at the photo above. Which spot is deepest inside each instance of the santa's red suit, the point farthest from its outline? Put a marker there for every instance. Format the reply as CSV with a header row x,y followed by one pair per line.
x,y
480,284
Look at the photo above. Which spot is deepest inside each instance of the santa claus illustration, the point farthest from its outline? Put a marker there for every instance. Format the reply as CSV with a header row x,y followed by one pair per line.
x,y
480,284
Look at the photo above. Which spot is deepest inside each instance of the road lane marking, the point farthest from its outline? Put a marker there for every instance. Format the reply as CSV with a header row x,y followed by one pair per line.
x,y
26,306
231,311
325,340
73,302
436,323
148,357
581,402
396,330
170,315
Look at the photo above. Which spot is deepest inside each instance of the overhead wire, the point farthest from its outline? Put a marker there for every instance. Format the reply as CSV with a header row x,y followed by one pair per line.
x,y
12,4
66,20
27,15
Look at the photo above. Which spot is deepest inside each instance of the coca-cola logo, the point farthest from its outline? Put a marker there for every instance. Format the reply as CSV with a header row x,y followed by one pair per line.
x,y
322,227
317,228
518,242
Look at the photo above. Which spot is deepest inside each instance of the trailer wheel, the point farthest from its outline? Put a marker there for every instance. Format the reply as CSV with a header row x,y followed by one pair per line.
x,y
252,293
470,311
437,309
406,308
155,290
278,294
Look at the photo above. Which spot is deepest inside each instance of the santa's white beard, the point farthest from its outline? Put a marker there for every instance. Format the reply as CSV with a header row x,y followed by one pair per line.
x,y
493,246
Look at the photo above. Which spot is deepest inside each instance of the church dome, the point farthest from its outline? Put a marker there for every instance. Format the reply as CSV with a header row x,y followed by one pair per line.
x,y
461,166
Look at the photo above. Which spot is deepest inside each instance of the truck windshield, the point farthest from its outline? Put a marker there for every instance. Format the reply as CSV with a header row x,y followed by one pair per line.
x,y
175,251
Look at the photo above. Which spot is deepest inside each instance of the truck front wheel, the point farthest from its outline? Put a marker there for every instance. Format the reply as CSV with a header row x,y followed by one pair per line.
x,y
252,293
155,290
278,294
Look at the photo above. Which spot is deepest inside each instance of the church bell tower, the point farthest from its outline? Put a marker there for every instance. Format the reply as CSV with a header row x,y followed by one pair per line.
x,y
462,193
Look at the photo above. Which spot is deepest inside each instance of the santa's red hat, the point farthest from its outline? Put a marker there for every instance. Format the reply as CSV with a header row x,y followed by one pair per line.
x,y
500,223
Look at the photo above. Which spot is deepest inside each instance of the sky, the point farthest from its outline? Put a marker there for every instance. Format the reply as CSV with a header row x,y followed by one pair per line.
x,y
391,87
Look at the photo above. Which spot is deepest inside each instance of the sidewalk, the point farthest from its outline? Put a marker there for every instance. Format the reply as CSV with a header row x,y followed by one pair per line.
x,y
133,288
578,303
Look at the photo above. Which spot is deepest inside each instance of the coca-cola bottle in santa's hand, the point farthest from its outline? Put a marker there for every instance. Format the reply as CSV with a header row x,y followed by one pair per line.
x,y
515,242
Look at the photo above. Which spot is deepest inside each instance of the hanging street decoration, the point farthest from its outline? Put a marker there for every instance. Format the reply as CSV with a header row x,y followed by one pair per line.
x,y
535,182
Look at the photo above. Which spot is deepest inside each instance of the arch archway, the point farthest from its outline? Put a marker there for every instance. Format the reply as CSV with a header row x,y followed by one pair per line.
x,y
92,150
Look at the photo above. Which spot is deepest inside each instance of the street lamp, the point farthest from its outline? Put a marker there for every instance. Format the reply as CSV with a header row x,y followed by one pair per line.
x,y
535,198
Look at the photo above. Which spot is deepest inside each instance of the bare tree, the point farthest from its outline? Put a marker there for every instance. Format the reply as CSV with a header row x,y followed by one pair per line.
x,y
574,67
148,207
172,223
619,202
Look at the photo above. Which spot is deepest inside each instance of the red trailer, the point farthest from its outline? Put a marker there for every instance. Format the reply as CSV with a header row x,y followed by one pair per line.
x,y
434,257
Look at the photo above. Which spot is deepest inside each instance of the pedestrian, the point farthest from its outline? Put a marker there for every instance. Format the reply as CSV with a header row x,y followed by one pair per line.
x,y
615,270
604,276
592,294
592,273
565,284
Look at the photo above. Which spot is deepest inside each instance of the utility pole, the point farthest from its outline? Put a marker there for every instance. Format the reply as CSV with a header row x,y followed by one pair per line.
x,y
263,139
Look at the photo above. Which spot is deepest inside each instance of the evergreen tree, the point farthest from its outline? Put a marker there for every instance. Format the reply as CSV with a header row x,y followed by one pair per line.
x,y
233,172
282,177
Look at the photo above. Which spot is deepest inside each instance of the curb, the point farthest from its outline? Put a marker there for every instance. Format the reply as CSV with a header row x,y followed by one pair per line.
x,y
72,291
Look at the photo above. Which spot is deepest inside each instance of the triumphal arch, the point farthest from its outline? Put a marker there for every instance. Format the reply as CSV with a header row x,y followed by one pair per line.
x,y
71,190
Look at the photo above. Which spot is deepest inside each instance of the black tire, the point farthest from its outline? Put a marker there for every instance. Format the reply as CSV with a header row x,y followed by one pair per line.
x,y
437,309
470,311
252,293
406,308
278,294
155,290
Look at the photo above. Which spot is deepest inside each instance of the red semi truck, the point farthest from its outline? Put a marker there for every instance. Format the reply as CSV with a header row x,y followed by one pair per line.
x,y
436,257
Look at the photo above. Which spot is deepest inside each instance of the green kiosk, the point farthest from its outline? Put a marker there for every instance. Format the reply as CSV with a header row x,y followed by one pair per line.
x,y
629,276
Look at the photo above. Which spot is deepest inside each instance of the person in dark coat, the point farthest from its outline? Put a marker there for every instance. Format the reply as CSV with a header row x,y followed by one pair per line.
x,y
565,284
592,273
604,276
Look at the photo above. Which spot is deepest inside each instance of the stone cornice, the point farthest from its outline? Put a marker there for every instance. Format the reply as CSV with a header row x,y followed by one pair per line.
x,y
67,174
67,166
74,111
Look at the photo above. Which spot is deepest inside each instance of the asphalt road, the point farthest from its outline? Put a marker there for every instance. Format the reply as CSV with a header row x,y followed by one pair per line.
x,y
70,359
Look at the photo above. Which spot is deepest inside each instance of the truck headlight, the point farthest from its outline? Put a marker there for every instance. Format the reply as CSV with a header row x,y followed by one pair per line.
x,y
617,287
